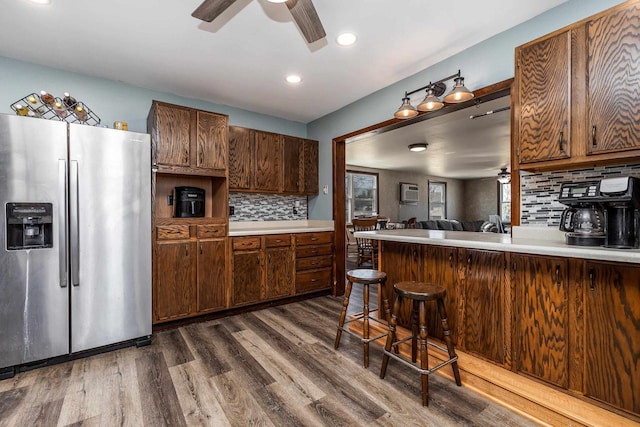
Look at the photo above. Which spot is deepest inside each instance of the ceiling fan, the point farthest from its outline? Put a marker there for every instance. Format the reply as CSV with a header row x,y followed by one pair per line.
x,y
303,12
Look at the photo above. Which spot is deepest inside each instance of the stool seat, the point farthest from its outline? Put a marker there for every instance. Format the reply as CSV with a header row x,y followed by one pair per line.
x,y
419,291
366,277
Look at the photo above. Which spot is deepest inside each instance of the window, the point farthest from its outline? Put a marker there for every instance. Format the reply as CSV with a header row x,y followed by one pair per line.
x,y
361,193
437,200
505,202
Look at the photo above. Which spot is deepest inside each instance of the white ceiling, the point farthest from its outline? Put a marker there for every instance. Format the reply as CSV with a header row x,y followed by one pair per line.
x,y
459,147
241,58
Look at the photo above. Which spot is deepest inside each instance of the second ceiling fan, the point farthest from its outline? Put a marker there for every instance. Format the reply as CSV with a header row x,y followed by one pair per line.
x,y
303,12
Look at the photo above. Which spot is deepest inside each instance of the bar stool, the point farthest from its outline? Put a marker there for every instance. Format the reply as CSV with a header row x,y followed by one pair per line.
x,y
419,293
363,277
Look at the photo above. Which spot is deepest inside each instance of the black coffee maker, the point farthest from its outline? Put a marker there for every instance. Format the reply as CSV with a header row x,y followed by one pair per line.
x,y
620,198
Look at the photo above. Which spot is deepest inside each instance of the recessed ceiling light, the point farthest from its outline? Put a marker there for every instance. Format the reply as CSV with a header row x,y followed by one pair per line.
x,y
276,1
293,78
41,1
346,39
422,146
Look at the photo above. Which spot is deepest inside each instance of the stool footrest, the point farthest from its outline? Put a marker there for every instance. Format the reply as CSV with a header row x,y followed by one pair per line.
x,y
350,332
371,319
417,368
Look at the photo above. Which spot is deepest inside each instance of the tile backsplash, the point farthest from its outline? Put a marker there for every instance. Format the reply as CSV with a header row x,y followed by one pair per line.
x,y
267,207
539,191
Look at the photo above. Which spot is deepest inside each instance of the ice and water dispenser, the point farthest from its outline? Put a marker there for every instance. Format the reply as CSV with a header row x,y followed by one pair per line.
x,y
29,226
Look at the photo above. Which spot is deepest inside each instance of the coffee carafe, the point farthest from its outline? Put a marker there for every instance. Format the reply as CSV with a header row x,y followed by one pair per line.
x,y
584,224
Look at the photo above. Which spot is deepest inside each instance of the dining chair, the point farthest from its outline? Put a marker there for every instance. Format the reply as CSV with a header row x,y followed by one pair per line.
x,y
367,248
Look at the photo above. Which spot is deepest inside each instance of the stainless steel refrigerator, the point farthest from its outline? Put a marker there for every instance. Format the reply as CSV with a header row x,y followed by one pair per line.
x,y
75,229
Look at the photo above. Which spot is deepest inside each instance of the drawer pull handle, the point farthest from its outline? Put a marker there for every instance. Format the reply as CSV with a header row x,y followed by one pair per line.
x,y
314,263
313,239
314,280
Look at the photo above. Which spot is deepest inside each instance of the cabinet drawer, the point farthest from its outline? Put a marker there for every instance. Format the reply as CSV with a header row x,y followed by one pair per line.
x,y
313,238
314,262
172,232
205,231
304,252
313,280
241,243
278,240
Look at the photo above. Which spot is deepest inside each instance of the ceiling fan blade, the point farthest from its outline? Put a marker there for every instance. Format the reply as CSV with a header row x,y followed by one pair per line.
x,y
210,9
305,15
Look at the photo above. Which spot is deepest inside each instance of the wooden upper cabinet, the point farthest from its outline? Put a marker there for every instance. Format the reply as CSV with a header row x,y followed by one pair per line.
x,y
265,162
211,140
173,135
612,344
613,42
544,94
268,161
293,168
188,141
240,158
542,317
310,166
577,94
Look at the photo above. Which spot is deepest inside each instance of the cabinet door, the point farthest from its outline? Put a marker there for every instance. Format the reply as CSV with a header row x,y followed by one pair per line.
x,y
293,154
484,306
310,167
247,278
280,272
403,263
613,54
240,158
211,289
174,135
441,270
268,161
175,277
543,72
612,338
542,317
211,141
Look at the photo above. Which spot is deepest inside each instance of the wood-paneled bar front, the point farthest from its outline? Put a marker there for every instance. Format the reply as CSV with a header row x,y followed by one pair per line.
x,y
558,325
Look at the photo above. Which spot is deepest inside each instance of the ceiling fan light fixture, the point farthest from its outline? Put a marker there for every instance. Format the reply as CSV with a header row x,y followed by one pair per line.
x,y
504,177
421,146
459,93
430,102
346,39
406,110
293,79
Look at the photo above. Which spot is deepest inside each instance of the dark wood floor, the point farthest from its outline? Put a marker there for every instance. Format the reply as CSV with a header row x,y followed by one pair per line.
x,y
274,367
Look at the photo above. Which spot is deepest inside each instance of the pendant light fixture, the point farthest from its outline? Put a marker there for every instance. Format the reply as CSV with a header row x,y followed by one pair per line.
x,y
504,177
431,101
406,110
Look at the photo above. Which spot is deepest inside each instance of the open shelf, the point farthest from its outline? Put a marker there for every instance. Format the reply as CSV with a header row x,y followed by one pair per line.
x,y
215,198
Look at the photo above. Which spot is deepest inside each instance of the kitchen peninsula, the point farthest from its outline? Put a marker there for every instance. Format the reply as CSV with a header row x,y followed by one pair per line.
x,y
546,328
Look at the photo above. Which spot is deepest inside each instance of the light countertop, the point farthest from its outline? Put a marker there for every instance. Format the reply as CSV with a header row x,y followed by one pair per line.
x,y
253,228
528,240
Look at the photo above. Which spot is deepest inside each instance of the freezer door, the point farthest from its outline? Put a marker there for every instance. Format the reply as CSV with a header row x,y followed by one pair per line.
x,y
110,236
34,297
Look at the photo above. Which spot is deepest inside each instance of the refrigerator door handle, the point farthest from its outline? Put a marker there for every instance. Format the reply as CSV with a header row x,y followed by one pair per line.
x,y
62,219
74,225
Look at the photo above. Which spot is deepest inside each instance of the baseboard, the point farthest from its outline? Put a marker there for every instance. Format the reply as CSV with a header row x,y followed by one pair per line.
x,y
534,400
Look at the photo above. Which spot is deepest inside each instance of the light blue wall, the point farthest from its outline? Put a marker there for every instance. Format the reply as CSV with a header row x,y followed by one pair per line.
x,y
112,100
488,62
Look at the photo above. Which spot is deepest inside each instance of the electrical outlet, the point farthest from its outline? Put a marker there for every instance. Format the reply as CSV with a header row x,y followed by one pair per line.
x,y
295,210
170,200
232,210
325,189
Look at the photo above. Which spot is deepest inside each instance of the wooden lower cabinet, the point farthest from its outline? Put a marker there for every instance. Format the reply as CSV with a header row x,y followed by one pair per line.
x,y
175,272
314,262
247,286
211,289
541,317
279,272
612,334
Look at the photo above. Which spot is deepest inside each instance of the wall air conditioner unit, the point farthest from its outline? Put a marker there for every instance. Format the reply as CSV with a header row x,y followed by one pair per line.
x,y
409,193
